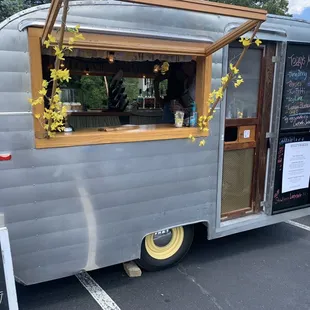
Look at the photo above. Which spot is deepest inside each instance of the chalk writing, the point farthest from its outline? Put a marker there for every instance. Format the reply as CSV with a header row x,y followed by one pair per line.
x,y
296,92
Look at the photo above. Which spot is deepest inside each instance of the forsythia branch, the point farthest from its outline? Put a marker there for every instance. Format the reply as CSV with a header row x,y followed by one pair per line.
x,y
233,76
54,115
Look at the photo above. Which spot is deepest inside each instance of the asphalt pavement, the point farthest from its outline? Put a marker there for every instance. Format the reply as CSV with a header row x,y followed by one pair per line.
x,y
266,268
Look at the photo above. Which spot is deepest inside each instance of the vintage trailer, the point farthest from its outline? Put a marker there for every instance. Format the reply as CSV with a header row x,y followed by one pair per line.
x,y
86,200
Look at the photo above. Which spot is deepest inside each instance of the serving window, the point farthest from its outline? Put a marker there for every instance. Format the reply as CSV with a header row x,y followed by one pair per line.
x,y
119,92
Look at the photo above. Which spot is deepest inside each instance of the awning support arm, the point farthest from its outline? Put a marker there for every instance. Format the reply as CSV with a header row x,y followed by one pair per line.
x,y
232,36
51,18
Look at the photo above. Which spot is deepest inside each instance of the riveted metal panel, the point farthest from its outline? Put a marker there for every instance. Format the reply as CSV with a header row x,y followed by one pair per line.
x,y
19,62
16,140
88,207
15,101
14,82
13,41
15,122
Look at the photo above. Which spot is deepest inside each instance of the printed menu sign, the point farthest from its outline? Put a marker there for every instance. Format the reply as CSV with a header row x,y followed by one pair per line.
x,y
296,92
292,183
296,166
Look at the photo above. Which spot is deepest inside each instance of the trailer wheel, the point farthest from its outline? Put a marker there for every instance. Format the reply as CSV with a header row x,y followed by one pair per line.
x,y
165,248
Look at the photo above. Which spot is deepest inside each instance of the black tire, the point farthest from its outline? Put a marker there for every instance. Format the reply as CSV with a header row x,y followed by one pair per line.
x,y
149,263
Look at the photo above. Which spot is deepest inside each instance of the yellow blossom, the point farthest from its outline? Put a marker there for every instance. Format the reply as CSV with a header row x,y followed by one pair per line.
x,y
225,79
38,101
62,75
238,82
206,129
43,92
59,53
202,142
63,110
165,67
246,42
219,93
70,48
54,74
71,40
79,36
258,42
56,98
233,69
47,43
51,38
44,84
51,134
37,116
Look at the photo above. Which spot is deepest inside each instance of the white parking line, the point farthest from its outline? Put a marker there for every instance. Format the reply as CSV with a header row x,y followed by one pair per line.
x,y
101,297
302,226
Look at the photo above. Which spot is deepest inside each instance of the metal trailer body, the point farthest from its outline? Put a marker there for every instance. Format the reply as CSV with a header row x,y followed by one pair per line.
x,y
82,208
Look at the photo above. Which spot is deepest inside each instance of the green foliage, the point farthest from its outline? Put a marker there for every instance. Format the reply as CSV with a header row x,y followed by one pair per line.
x,y
10,7
279,7
131,88
93,92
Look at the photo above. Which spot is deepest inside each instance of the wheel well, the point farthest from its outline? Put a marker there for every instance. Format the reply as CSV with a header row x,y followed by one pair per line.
x,y
202,227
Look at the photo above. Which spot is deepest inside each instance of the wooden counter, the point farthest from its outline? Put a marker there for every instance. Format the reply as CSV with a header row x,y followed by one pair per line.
x,y
93,136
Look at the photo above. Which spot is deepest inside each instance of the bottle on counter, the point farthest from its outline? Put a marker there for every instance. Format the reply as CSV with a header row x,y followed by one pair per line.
x,y
140,100
193,116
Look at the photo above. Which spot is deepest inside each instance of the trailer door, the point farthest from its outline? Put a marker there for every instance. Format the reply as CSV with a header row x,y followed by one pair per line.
x,y
247,121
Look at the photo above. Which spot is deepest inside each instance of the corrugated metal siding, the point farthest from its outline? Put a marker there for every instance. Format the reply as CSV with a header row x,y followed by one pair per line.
x,y
88,207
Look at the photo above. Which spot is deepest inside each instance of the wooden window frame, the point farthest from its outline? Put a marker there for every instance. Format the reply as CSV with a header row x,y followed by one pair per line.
x,y
129,44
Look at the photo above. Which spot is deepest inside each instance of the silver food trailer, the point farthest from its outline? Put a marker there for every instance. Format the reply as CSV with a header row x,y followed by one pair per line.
x,y
87,200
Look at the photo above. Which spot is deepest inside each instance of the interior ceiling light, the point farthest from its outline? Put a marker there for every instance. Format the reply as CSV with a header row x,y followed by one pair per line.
x,y
111,57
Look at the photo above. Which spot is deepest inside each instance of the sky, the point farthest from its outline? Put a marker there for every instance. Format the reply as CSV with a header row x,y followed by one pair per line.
x,y
300,8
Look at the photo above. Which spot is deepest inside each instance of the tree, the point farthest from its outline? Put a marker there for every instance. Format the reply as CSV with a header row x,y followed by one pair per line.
x,y
30,3
10,7
279,7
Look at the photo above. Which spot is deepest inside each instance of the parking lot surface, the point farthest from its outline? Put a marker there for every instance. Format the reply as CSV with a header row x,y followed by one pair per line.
x,y
266,268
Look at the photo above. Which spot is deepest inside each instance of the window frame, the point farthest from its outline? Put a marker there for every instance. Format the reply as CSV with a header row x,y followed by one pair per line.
x,y
128,44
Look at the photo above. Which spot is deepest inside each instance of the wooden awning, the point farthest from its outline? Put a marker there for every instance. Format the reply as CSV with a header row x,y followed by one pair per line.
x,y
208,7
254,16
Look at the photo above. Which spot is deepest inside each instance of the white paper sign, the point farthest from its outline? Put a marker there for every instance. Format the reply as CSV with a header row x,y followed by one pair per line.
x,y
246,134
296,166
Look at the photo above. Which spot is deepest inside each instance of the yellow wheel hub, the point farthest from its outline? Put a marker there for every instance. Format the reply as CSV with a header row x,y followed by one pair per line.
x,y
168,250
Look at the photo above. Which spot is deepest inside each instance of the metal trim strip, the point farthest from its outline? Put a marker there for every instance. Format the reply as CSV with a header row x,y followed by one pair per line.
x,y
14,113
119,31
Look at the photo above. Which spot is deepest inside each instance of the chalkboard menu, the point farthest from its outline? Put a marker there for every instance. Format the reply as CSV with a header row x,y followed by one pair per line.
x,y
296,92
286,200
